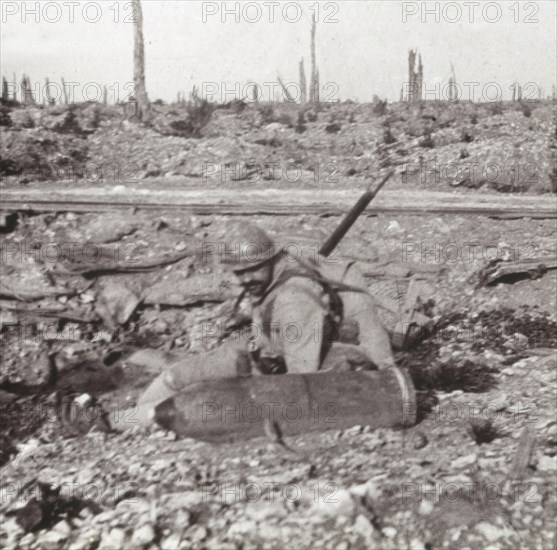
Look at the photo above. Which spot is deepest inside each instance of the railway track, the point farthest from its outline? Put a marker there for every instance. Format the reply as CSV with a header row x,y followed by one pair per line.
x,y
277,202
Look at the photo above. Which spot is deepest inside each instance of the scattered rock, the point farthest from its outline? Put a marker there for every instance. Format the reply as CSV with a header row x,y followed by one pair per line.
x,y
186,292
27,540
116,304
417,544
172,542
355,430
107,228
489,531
393,228
63,527
464,461
265,511
186,499
370,490
51,540
242,527
547,464
198,533
426,507
143,536
340,503
12,528
389,532
419,440
182,520
363,527
113,539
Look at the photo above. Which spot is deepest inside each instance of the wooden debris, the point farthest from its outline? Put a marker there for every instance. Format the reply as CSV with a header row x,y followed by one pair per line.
x,y
57,311
129,266
24,295
412,324
278,203
500,271
401,270
524,450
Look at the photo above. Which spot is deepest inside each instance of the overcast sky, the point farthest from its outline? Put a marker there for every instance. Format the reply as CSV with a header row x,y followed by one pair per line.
x,y
362,46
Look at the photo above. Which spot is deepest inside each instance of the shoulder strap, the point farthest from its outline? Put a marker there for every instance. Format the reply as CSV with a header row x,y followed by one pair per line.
x,y
332,283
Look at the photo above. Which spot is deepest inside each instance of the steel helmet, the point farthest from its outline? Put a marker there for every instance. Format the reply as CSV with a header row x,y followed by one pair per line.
x,y
247,246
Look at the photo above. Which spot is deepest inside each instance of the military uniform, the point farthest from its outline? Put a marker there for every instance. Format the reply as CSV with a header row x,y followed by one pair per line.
x,y
312,317
308,311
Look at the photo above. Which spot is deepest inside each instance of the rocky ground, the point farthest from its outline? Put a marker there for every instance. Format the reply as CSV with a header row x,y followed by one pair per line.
x,y
85,298
478,470
507,147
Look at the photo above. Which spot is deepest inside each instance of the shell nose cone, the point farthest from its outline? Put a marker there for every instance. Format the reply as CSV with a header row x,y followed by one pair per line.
x,y
165,414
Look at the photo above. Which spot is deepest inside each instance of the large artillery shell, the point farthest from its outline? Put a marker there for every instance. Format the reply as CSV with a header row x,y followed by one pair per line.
x,y
236,408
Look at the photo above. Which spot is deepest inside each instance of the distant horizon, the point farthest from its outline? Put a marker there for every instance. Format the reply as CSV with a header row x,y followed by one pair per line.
x,y
364,53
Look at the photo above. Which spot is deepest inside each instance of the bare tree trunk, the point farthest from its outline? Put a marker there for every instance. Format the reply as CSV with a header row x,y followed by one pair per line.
x,y
415,77
316,90
64,92
139,61
105,95
519,92
23,90
5,93
313,89
194,95
453,95
49,99
289,98
28,98
303,83
32,99
411,76
420,79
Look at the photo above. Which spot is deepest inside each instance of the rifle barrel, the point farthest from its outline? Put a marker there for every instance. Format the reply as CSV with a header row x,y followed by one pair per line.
x,y
351,217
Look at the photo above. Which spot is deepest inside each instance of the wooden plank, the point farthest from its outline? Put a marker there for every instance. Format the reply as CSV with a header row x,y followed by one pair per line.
x,y
277,202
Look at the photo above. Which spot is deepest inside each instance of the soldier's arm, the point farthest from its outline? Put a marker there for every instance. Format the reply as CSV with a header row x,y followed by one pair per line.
x,y
360,307
298,318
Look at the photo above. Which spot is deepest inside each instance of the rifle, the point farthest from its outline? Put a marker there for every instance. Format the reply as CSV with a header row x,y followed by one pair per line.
x,y
352,216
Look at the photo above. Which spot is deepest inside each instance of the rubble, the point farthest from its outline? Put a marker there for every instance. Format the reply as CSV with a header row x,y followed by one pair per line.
x,y
228,145
116,304
490,353
187,292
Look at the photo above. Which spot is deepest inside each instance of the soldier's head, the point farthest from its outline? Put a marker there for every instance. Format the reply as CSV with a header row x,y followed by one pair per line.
x,y
250,254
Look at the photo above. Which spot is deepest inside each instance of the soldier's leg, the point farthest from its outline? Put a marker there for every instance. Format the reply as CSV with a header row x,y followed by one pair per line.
x,y
226,361
343,357
360,307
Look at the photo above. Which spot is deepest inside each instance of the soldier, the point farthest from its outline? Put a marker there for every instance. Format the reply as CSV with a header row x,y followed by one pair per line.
x,y
307,316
